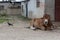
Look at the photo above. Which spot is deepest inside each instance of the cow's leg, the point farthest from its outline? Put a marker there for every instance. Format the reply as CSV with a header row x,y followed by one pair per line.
x,y
32,27
42,28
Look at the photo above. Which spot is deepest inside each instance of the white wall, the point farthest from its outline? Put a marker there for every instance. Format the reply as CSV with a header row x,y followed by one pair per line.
x,y
50,4
35,12
31,8
24,9
41,9
46,6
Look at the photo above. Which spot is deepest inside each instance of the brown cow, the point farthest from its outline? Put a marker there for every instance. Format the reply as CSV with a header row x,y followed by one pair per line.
x,y
43,23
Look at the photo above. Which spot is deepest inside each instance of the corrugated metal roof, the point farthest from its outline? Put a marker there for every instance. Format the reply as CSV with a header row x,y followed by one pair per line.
x,y
19,0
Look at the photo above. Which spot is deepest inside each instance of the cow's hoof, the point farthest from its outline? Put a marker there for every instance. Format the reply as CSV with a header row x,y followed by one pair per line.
x,y
33,28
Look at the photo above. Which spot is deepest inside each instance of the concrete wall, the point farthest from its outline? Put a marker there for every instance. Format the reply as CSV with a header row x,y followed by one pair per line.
x,y
10,11
5,7
14,11
34,11
32,8
41,9
46,6
24,9
49,8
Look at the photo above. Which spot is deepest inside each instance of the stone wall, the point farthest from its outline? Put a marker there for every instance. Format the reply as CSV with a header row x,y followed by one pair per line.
x,y
7,10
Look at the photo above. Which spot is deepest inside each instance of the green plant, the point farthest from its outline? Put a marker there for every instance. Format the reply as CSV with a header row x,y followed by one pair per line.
x,y
24,18
3,14
2,20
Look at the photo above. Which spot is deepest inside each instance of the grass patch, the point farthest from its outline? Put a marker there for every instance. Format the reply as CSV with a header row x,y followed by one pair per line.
x,y
2,20
24,18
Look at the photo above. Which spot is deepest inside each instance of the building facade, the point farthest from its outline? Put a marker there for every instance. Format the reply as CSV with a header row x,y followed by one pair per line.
x,y
37,8
10,8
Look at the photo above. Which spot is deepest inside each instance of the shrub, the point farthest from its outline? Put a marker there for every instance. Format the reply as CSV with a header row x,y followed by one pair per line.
x,y
3,14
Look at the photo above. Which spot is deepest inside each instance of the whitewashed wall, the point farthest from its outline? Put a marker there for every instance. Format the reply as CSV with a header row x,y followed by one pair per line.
x,y
24,9
31,8
35,12
41,9
46,6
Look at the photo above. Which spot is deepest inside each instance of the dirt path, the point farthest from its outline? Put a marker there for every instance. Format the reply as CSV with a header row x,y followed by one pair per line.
x,y
19,32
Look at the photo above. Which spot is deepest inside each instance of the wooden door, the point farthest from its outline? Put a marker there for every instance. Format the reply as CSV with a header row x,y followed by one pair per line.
x,y
57,10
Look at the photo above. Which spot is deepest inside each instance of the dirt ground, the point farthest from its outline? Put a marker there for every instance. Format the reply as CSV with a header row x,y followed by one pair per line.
x,y
19,32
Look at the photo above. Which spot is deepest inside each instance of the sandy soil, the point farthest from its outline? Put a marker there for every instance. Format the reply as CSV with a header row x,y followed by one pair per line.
x,y
19,32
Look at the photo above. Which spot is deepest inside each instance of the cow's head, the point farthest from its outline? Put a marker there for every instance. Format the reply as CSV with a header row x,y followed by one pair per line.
x,y
46,18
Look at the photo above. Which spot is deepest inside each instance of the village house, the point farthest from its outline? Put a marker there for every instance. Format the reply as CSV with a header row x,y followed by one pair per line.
x,y
37,8
33,8
10,8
